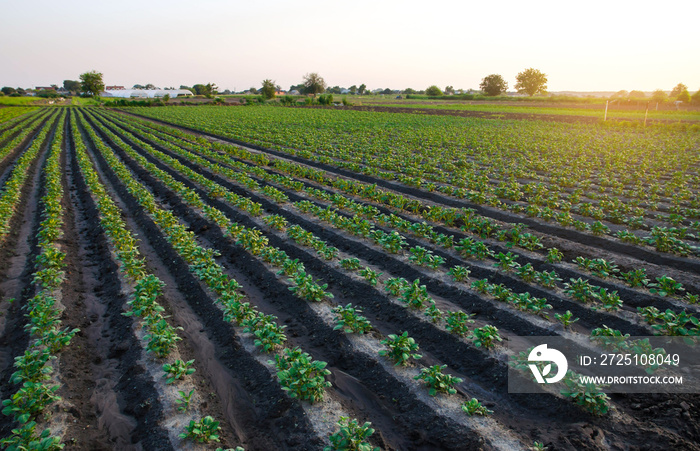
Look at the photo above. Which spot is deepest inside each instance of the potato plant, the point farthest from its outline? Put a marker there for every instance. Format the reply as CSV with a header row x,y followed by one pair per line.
x,y
401,349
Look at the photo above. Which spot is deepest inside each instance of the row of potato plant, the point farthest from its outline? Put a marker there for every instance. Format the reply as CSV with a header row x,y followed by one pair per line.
x,y
578,289
295,232
34,368
304,378
348,316
11,116
410,162
12,189
15,135
432,377
162,337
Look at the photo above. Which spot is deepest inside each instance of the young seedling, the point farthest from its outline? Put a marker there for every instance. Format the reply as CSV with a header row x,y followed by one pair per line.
x,y
349,319
457,322
350,264
485,336
437,381
184,400
459,273
370,275
665,286
202,431
474,407
400,349
415,295
177,370
395,286
566,318
351,436
433,312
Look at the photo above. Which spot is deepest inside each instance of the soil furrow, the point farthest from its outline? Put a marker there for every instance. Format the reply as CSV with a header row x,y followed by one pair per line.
x,y
120,392
17,272
257,409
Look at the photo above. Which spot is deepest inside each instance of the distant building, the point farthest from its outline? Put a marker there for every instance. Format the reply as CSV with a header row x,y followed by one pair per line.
x,y
114,88
280,93
45,88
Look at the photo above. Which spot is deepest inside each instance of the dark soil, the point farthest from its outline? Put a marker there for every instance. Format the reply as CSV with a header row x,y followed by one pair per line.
x,y
109,384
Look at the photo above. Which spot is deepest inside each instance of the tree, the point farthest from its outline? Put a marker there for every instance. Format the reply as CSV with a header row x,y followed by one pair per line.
x,y
8,91
659,96
137,86
314,83
150,86
361,90
91,83
695,98
675,92
205,90
622,94
531,81
433,91
449,90
684,96
71,85
185,87
637,95
409,91
268,89
353,89
493,85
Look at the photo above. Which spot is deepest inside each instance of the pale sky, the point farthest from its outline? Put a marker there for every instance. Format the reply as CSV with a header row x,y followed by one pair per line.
x,y
592,45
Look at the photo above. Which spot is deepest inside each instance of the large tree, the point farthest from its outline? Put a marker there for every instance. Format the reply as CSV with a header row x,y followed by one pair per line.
x,y
91,83
531,81
71,85
493,85
433,91
659,96
361,90
695,98
675,92
205,90
268,89
314,83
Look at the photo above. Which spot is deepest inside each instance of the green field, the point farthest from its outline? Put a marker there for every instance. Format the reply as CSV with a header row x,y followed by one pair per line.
x,y
317,265
6,100
587,110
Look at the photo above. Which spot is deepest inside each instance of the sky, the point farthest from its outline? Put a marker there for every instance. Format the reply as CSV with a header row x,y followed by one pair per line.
x,y
581,46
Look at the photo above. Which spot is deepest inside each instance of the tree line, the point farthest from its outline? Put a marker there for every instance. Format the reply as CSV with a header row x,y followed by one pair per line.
x,y
530,82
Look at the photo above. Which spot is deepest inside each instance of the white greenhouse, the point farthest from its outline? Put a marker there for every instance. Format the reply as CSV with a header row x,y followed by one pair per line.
x,y
147,93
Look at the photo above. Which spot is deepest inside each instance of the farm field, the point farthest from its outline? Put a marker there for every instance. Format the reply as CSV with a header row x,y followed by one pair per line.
x,y
596,109
295,268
